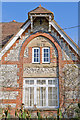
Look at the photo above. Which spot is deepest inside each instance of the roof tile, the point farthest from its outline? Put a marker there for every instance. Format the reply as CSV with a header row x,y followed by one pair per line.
x,y
8,30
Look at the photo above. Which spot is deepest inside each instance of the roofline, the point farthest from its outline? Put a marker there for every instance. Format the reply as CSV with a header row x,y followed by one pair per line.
x,y
24,23
14,38
65,36
44,13
14,34
43,8
23,28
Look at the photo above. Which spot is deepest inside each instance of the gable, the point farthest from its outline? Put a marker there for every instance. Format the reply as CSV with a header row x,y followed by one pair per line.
x,y
42,24
12,41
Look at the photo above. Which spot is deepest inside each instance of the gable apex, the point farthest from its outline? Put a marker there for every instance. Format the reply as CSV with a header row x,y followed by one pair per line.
x,y
40,10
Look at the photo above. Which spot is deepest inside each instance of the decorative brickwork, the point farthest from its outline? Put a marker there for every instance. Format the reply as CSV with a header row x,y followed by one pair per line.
x,y
41,72
11,56
67,53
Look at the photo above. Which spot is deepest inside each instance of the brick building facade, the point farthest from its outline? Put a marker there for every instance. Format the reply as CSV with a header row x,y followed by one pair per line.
x,y
39,65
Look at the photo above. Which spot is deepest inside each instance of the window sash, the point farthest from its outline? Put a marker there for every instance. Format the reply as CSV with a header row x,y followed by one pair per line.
x,y
35,55
46,55
47,87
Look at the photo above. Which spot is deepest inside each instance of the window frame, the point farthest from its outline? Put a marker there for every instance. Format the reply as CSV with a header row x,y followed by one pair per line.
x,y
35,92
33,54
43,54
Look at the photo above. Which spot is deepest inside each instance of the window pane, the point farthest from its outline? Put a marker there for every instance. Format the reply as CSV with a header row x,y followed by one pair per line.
x,y
45,50
27,81
31,82
41,82
37,55
34,55
29,96
34,50
41,96
52,95
47,59
52,82
37,60
52,103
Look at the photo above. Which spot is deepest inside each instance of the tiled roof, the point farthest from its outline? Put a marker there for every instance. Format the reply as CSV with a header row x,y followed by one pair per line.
x,y
8,30
40,9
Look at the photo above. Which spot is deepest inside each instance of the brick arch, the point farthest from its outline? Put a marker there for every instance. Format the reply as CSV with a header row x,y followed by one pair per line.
x,y
44,35
59,56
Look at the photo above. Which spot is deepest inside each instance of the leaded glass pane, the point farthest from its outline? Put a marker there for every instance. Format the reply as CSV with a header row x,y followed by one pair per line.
x,y
41,96
29,96
43,92
52,96
41,82
52,82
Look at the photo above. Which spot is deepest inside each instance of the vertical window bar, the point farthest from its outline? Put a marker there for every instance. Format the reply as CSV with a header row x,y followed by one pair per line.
x,y
35,91
58,91
47,93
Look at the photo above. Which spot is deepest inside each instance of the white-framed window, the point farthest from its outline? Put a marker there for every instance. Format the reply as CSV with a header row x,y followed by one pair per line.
x,y
35,55
43,92
46,55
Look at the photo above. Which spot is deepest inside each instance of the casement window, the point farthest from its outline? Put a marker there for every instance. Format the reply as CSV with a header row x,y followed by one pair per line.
x,y
40,91
35,55
46,55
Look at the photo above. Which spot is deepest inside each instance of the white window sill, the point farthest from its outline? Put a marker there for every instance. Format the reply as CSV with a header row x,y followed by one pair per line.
x,y
45,62
35,62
